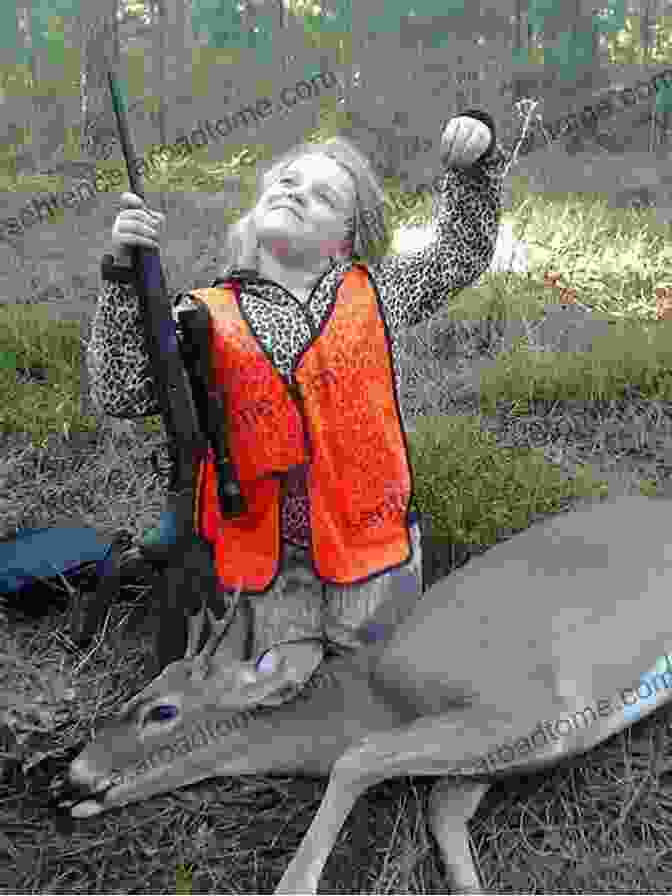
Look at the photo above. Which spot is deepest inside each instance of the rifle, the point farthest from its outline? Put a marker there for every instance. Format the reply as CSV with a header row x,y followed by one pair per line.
x,y
184,559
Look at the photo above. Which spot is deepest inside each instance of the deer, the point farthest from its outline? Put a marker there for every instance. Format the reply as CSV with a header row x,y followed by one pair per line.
x,y
535,651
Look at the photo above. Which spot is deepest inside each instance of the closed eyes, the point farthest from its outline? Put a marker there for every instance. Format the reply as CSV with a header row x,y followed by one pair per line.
x,y
322,193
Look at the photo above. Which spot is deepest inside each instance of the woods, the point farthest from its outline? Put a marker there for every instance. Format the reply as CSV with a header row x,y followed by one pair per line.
x,y
181,59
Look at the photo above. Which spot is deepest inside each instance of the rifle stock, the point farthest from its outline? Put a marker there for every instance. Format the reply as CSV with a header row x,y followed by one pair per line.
x,y
183,557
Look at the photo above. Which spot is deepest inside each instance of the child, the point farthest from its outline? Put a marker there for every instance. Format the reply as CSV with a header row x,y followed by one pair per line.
x,y
304,342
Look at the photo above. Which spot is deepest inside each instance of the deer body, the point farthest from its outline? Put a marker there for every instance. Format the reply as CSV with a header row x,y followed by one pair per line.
x,y
532,652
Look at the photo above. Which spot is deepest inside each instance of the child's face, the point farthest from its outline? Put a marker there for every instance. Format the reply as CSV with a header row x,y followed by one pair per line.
x,y
322,194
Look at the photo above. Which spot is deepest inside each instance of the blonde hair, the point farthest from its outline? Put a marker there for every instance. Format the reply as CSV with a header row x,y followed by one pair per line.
x,y
369,232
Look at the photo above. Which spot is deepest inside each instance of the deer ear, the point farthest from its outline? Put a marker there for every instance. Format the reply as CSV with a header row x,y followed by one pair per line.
x,y
295,660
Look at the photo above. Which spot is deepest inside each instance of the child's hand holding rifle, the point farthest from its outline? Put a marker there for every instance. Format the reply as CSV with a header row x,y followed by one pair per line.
x,y
184,558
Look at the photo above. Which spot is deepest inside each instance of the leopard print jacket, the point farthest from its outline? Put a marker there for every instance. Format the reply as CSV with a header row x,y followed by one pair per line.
x,y
413,286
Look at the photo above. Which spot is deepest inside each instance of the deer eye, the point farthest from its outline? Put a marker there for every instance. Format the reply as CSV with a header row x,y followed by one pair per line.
x,y
162,713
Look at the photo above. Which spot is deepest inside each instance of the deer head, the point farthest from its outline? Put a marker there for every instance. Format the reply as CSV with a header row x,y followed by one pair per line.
x,y
211,714
163,737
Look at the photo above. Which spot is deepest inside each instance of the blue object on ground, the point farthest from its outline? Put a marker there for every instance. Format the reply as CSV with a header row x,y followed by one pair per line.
x,y
34,555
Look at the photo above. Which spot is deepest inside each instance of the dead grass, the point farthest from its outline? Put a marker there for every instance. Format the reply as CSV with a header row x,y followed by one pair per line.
x,y
595,824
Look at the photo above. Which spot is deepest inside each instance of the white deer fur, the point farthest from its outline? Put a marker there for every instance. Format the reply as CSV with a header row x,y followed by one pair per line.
x,y
541,627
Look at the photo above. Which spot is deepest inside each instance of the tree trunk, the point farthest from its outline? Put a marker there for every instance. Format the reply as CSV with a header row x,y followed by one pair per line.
x,y
174,45
27,159
522,40
100,42
161,24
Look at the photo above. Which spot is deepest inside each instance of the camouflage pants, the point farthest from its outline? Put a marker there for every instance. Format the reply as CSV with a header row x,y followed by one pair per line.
x,y
301,607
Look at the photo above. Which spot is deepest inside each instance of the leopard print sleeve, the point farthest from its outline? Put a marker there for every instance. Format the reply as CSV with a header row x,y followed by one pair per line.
x,y
416,284
120,381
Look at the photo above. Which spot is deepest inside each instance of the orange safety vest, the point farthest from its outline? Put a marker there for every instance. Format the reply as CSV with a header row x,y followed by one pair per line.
x,y
338,413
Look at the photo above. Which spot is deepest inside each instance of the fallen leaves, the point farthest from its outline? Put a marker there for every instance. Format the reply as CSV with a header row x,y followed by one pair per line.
x,y
568,296
664,302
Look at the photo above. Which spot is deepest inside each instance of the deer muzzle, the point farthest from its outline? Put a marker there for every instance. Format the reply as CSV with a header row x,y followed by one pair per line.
x,y
80,787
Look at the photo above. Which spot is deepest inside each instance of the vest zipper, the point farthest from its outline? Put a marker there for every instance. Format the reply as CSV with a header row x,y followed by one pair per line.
x,y
295,393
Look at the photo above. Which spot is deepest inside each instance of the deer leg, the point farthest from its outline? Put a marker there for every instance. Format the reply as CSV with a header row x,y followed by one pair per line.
x,y
452,803
304,871
436,745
